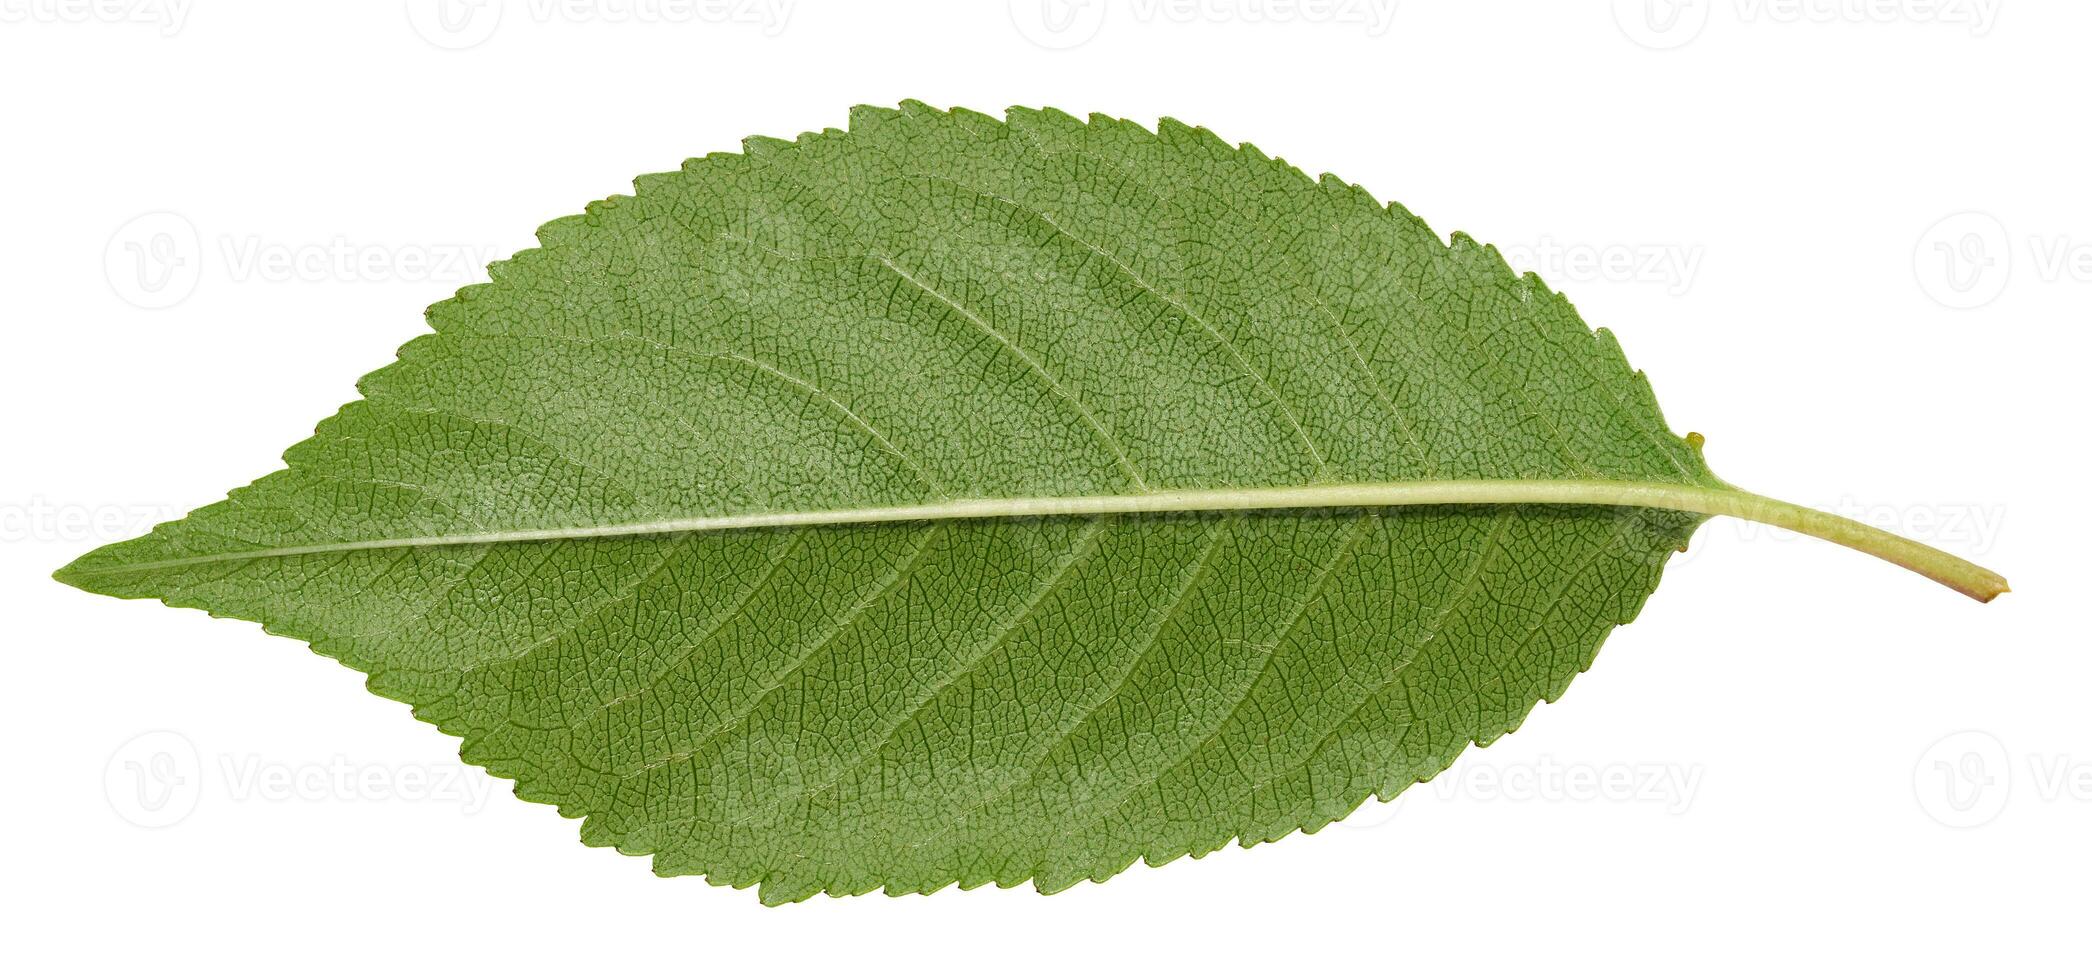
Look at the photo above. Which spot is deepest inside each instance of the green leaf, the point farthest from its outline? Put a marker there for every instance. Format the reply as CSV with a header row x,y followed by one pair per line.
x,y
962,499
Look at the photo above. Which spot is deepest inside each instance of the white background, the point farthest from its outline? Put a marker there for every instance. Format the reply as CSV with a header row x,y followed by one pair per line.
x,y
1850,241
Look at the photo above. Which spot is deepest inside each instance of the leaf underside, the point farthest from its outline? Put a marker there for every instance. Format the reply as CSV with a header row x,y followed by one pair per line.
x,y
935,306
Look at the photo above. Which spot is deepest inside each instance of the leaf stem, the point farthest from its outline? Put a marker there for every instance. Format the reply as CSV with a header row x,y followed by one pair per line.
x,y
1962,576
1965,577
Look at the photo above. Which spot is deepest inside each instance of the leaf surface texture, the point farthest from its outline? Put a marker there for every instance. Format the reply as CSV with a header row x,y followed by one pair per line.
x,y
934,306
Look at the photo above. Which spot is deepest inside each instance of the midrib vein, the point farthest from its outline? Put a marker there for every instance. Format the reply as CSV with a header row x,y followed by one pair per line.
x,y
1960,575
